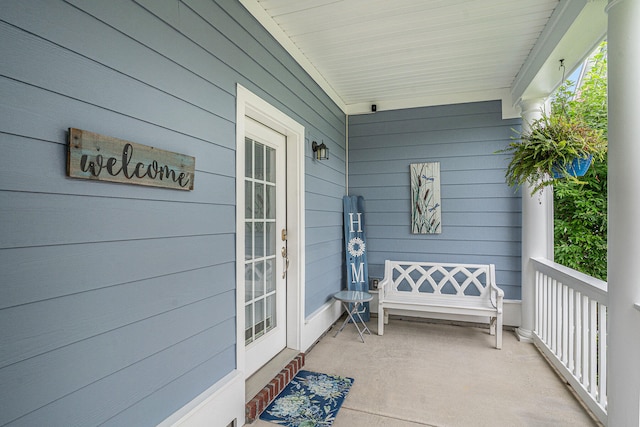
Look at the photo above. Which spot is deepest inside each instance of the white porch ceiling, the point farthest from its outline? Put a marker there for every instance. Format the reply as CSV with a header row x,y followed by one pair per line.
x,y
405,53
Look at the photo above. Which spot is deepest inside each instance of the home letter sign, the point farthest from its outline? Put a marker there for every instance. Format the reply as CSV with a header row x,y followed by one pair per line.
x,y
356,255
102,158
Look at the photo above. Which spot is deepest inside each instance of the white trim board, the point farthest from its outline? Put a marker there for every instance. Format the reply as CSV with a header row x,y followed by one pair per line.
x,y
319,322
221,404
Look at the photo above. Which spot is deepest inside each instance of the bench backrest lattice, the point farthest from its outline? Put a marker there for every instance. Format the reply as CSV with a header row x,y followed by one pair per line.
x,y
436,278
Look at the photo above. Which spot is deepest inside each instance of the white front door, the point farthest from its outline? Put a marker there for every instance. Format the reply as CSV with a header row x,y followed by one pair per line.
x,y
265,246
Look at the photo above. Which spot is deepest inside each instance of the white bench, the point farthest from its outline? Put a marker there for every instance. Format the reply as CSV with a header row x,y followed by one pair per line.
x,y
460,289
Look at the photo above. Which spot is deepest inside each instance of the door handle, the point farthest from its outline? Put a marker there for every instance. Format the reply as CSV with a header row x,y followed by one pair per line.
x,y
285,261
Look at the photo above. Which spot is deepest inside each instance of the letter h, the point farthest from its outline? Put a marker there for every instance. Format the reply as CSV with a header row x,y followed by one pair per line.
x,y
352,222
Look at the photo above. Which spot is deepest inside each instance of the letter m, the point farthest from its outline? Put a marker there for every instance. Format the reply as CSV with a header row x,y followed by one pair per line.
x,y
357,275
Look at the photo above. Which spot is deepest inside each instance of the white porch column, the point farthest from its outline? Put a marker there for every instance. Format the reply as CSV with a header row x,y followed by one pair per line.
x,y
537,230
624,212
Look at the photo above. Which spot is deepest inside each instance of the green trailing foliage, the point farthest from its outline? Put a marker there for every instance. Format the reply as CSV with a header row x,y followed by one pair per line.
x,y
580,209
551,144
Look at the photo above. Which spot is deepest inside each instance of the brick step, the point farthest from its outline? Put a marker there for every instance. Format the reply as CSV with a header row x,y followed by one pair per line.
x,y
259,403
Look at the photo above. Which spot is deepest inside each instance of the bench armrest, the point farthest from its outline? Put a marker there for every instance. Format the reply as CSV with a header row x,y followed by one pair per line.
x,y
386,282
383,286
497,294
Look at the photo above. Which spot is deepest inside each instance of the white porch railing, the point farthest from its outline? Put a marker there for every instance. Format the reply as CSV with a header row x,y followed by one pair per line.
x,y
571,329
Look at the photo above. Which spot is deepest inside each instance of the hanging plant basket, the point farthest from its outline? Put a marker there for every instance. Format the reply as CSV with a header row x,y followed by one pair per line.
x,y
576,168
554,147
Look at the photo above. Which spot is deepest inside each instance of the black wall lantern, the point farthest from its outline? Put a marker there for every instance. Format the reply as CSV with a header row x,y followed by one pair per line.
x,y
321,150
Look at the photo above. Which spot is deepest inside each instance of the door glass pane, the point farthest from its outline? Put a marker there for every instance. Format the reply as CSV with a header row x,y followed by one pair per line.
x,y
259,161
270,238
270,312
258,280
259,201
248,323
248,199
270,275
259,240
259,318
248,241
248,158
270,202
248,282
270,165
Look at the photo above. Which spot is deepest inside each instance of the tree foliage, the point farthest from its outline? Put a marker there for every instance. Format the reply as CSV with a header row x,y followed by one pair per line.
x,y
580,209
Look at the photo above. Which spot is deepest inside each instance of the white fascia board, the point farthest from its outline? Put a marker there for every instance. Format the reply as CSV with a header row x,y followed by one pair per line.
x,y
573,31
504,95
274,29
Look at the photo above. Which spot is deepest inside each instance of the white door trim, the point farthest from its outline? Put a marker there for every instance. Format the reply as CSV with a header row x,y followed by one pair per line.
x,y
250,105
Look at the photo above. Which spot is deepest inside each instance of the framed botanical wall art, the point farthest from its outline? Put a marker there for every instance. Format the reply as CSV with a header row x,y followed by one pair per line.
x,y
426,213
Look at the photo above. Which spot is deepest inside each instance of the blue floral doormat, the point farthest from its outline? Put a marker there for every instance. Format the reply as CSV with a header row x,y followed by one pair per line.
x,y
309,400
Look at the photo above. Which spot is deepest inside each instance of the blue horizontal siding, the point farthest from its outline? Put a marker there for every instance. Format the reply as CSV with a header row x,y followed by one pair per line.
x,y
481,215
117,302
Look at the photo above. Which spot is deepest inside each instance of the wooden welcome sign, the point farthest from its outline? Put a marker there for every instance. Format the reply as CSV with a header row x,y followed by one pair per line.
x,y
103,158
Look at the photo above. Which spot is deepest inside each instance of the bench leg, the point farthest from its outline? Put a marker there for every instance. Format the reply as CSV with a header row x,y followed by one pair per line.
x,y
380,320
492,325
499,332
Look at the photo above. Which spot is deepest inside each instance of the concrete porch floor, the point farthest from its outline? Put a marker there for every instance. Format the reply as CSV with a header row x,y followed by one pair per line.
x,y
431,374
